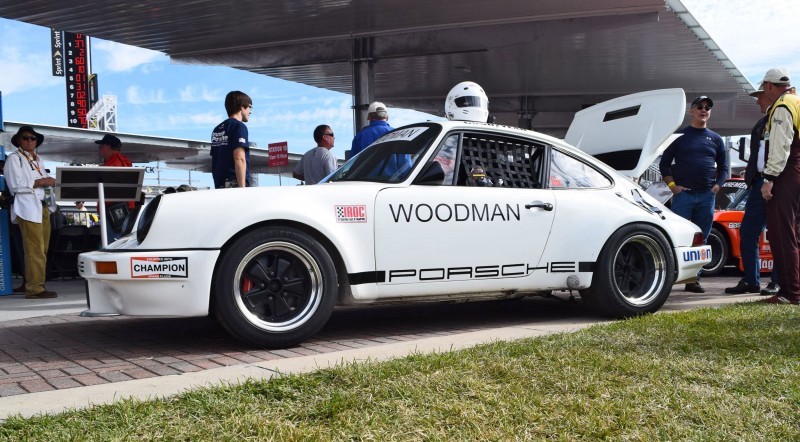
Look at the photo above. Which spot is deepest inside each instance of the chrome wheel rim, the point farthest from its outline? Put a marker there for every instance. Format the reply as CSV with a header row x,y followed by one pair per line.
x,y
639,272
278,286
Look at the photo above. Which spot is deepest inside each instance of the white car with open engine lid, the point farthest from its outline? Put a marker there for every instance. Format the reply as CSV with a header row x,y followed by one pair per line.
x,y
431,211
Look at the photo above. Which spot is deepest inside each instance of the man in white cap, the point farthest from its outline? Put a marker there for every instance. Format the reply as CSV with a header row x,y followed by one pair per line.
x,y
781,188
755,211
378,118
378,126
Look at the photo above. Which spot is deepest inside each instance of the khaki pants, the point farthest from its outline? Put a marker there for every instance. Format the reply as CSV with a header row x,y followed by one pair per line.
x,y
35,241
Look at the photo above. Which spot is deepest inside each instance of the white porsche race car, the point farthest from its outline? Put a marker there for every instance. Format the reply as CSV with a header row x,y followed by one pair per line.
x,y
432,211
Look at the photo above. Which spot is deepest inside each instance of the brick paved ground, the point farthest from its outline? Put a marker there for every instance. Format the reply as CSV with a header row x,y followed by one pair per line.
x,y
68,351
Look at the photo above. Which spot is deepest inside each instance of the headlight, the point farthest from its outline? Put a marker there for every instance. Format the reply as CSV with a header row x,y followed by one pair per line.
x,y
146,218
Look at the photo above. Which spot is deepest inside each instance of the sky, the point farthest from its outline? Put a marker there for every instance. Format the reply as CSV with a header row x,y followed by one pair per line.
x,y
156,97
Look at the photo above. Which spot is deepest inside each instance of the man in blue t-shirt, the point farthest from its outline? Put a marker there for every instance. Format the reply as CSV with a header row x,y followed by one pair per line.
x,y
230,149
699,170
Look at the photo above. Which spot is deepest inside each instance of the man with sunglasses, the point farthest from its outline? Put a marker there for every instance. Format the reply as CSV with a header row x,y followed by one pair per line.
x,y
318,162
32,187
695,166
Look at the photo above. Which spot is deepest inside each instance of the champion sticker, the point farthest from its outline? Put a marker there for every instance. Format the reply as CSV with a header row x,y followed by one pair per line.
x,y
159,268
351,214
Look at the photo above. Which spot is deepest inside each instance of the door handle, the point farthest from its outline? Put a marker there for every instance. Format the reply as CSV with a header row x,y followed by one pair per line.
x,y
539,205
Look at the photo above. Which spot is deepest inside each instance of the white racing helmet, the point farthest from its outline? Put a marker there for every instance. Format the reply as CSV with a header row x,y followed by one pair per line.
x,y
467,102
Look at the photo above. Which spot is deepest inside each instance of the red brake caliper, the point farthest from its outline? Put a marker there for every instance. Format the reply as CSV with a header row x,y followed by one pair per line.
x,y
247,284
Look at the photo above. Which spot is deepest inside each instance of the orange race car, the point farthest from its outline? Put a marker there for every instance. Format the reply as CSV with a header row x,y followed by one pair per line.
x,y
724,236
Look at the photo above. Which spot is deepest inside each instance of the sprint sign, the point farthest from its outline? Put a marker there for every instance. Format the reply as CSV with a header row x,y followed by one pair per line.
x,y
155,267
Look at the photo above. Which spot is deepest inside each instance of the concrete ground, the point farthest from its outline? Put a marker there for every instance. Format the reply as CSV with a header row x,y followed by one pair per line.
x,y
53,359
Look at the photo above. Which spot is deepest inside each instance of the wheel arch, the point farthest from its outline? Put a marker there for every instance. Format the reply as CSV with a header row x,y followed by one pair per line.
x,y
658,227
333,251
597,295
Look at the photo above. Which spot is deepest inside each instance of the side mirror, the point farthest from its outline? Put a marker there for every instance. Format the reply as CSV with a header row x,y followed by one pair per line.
x,y
431,175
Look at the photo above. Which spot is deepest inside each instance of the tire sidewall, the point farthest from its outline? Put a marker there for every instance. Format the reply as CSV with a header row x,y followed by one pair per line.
x,y
604,294
229,313
723,258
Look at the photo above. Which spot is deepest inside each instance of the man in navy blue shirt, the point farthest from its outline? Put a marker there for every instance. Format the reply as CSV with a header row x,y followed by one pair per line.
x,y
700,168
230,149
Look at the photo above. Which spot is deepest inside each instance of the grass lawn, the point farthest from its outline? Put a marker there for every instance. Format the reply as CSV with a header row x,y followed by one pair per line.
x,y
715,374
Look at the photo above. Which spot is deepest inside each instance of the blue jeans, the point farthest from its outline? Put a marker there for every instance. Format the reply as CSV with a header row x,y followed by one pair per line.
x,y
753,223
697,208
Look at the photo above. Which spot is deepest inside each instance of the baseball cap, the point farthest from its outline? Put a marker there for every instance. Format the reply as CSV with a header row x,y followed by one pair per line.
x,y
376,107
776,75
111,140
702,98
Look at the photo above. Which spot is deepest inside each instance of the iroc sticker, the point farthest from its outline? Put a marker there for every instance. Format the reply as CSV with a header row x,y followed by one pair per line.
x,y
156,267
351,214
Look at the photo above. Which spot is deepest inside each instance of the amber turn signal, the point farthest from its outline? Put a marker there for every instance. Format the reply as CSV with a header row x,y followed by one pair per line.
x,y
106,268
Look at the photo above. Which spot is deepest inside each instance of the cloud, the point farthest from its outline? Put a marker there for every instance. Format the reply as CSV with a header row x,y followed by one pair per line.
x,y
123,58
755,35
137,96
193,94
23,67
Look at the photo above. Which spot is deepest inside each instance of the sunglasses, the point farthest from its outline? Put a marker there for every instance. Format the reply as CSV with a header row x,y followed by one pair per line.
x,y
705,108
28,138
331,134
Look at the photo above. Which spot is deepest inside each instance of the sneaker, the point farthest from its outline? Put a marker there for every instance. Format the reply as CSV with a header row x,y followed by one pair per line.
x,y
778,299
743,287
694,287
44,294
770,290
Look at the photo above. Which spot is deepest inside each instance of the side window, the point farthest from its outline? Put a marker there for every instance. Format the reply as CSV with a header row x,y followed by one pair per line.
x,y
490,160
567,172
447,158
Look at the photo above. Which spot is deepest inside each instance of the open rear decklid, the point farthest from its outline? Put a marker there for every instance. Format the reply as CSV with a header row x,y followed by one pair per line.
x,y
628,133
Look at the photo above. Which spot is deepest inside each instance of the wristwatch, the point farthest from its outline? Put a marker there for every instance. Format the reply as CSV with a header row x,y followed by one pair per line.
x,y
767,180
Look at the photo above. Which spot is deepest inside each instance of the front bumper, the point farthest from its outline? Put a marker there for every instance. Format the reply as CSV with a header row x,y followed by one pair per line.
x,y
690,260
174,283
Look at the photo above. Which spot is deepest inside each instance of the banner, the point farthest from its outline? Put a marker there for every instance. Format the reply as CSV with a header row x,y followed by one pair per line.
x,y
57,51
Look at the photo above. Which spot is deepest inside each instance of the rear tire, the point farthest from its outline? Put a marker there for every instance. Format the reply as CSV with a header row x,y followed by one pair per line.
x,y
275,287
634,275
719,253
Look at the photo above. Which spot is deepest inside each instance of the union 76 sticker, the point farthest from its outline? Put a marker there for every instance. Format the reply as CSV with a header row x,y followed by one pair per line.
x,y
351,214
157,268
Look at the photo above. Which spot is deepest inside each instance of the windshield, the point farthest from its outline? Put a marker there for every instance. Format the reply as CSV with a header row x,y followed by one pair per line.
x,y
392,157
730,195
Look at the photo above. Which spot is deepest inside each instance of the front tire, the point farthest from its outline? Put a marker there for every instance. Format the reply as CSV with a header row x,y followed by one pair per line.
x,y
719,253
634,275
275,287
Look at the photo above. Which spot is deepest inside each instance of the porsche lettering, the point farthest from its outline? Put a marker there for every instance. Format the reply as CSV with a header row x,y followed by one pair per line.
x,y
462,273
454,212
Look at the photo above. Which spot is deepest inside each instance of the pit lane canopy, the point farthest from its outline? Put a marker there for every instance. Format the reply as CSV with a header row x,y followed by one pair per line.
x,y
539,61
77,147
